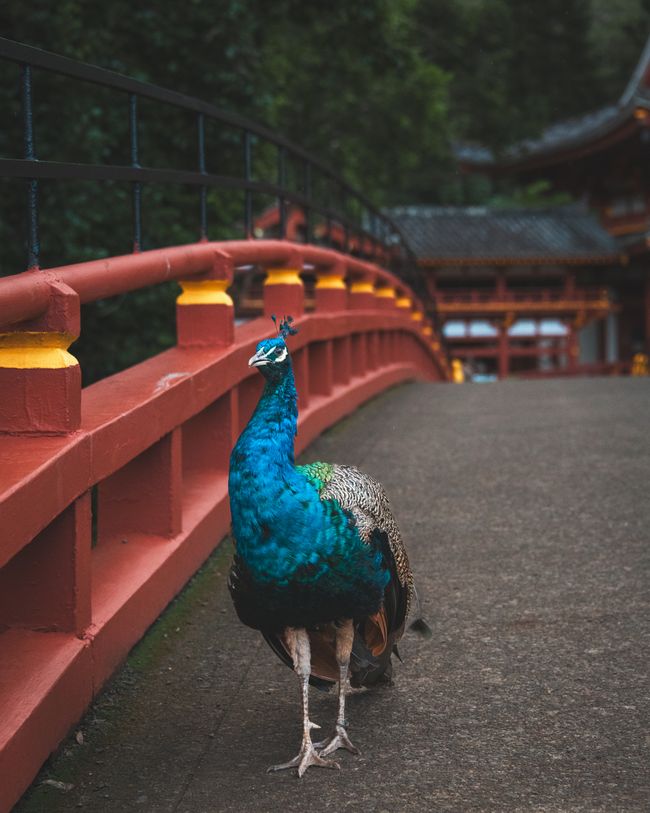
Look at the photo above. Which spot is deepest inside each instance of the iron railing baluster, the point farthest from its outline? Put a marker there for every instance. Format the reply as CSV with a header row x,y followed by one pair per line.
x,y
307,193
203,192
33,244
345,223
248,195
341,212
135,162
282,208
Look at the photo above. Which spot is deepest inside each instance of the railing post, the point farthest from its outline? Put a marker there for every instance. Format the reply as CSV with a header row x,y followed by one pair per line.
x,y
342,362
205,311
403,302
331,292
385,297
504,347
373,351
573,346
284,291
361,294
359,354
321,377
40,381
301,372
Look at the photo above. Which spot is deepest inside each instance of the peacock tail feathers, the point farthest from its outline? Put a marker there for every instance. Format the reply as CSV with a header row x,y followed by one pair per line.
x,y
368,502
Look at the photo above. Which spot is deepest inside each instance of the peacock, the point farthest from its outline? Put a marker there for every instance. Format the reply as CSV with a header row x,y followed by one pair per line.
x,y
320,568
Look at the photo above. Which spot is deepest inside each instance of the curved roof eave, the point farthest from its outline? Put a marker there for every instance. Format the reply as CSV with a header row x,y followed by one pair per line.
x,y
584,134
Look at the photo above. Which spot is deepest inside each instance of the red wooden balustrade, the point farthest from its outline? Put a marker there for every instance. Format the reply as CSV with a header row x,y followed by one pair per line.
x,y
153,444
581,295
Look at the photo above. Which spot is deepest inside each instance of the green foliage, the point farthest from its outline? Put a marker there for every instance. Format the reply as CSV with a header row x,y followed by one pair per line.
x,y
352,88
517,66
377,88
538,193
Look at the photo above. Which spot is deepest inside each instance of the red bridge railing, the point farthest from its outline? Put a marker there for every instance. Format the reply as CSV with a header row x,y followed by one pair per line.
x,y
112,496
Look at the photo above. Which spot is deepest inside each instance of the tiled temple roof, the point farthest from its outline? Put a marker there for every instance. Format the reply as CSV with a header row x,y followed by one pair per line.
x,y
478,233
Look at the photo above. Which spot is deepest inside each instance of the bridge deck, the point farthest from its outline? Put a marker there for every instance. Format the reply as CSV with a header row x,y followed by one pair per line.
x,y
526,508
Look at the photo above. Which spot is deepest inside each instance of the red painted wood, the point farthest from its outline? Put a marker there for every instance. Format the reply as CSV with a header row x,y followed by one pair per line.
x,y
47,585
300,361
145,495
373,342
57,669
25,296
209,436
127,413
248,394
198,325
361,301
155,439
61,314
321,358
341,362
40,401
359,356
284,300
330,299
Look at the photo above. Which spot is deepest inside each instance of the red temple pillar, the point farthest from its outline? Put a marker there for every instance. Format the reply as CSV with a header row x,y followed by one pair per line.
x,y
573,350
647,313
504,350
569,284
500,287
431,283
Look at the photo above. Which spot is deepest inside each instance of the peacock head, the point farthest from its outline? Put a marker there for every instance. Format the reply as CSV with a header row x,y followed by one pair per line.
x,y
272,355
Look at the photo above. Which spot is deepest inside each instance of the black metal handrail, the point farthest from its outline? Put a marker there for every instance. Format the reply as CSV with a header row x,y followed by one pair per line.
x,y
373,228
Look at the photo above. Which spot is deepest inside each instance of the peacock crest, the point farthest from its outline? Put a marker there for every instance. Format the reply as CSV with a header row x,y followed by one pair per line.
x,y
284,327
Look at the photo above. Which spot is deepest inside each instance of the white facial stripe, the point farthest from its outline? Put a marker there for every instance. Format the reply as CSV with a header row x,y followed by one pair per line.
x,y
282,355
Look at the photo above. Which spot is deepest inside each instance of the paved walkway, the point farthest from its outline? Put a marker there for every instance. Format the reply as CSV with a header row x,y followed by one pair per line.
x,y
526,506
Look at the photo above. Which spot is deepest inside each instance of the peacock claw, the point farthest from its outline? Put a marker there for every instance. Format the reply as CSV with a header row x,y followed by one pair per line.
x,y
307,756
339,739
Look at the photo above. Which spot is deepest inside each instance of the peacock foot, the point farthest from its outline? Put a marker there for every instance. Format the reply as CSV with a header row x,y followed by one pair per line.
x,y
339,739
306,757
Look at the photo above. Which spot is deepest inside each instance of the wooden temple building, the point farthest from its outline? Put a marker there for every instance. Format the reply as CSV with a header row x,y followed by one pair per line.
x,y
518,290
602,161
532,291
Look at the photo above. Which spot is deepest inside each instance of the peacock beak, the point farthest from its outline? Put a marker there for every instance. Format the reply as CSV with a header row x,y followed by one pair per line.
x,y
258,359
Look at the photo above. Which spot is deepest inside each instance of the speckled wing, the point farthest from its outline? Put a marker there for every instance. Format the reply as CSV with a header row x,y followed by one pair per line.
x,y
367,501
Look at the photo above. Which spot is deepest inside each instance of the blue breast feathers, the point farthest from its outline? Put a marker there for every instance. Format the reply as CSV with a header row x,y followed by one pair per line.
x,y
285,535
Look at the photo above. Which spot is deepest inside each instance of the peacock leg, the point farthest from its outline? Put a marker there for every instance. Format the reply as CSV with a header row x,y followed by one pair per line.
x,y
298,643
340,739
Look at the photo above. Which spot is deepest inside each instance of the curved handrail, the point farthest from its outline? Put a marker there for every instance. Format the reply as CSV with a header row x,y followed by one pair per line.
x,y
26,296
382,233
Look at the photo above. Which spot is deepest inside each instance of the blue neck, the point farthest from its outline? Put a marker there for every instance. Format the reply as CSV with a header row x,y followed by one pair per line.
x,y
268,436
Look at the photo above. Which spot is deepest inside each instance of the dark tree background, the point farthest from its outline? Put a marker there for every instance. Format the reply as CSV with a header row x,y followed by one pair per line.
x,y
379,89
